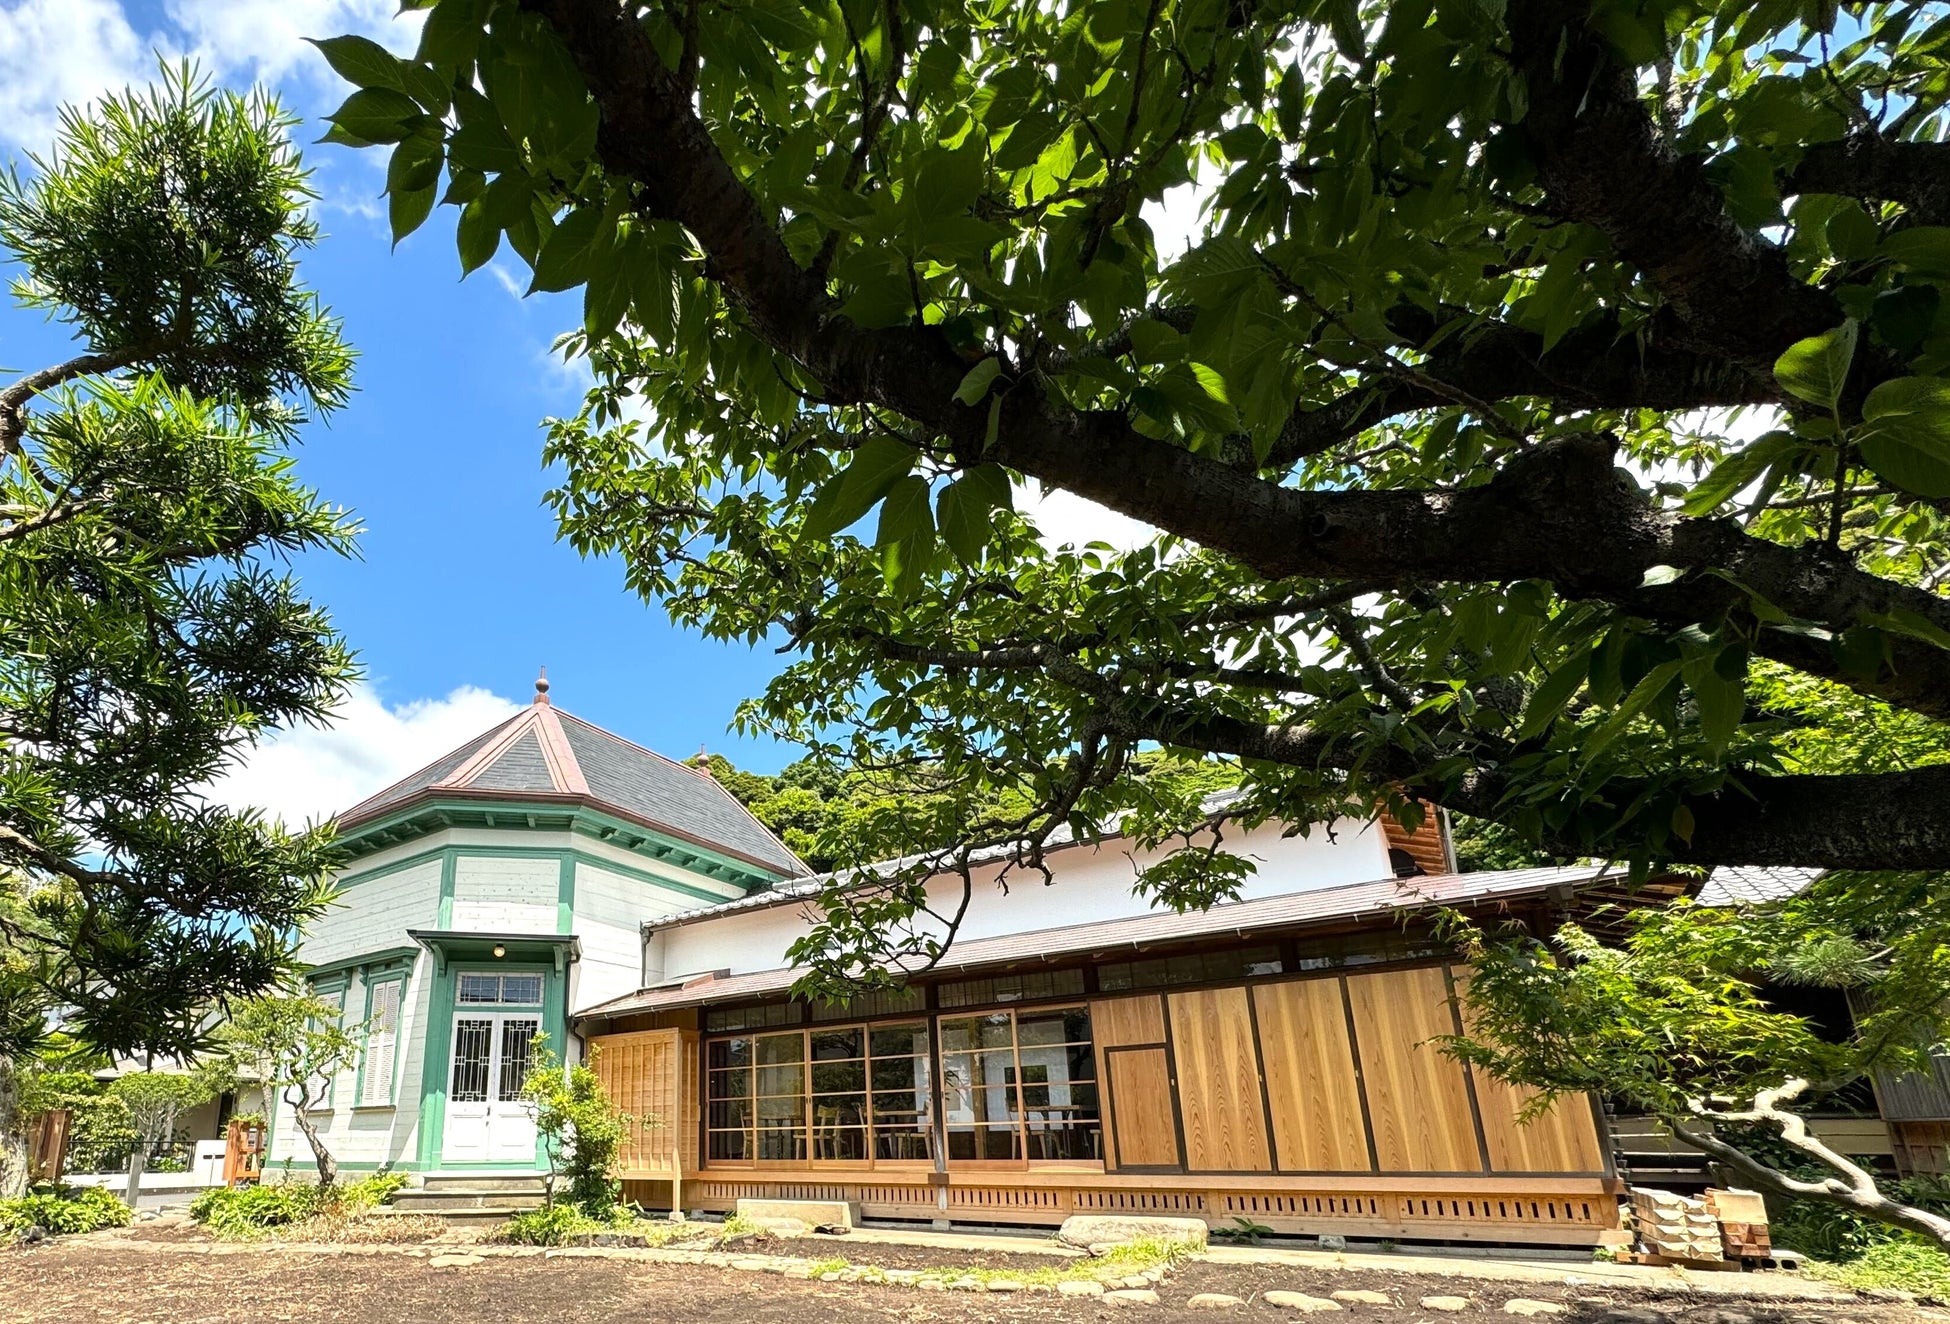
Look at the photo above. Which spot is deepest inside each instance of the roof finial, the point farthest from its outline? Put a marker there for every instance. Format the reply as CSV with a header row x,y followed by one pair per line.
x,y
541,688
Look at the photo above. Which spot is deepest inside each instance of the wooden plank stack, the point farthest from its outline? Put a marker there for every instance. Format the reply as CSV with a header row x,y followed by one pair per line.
x,y
1675,1229
1743,1224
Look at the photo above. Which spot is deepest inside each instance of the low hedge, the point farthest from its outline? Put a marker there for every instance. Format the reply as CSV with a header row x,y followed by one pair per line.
x,y
248,1210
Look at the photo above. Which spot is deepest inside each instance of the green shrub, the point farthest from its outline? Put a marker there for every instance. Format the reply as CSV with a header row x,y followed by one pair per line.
x,y
65,1210
1830,1232
555,1224
1908,1263
250,1210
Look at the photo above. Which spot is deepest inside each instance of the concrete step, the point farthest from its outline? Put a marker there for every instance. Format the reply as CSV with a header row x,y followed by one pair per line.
x,y
479,1216
449,1197
484,1181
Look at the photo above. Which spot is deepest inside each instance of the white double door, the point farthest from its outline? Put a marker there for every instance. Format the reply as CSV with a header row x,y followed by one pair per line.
x,y
486,1120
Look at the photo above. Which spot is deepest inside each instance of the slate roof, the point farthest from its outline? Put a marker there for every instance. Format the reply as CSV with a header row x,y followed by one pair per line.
x,y
1754,885
543,754
1352,901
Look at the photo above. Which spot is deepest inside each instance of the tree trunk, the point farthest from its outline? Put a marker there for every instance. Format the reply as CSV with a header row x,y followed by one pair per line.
x,y
1853,1187
328,1167
13,1133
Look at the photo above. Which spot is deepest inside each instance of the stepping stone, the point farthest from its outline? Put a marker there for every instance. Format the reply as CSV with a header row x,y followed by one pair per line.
x,y
966,1284
1363,1297
1131,1296
1214,1301
1004,1285
932,1285
1523,1305
1300,1301
453,1261
1451,1304
752,1266
1080,1287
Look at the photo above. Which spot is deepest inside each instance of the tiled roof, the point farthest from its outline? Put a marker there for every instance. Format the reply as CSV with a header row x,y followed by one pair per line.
x,y
1353,901
548,755
1753,885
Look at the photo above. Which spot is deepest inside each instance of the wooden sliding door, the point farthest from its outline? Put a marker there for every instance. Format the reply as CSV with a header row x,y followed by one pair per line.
x,y
1419,1103
1219,1089
1140,1107
1312,1089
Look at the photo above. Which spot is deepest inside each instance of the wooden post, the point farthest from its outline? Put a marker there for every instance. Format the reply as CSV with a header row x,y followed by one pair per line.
x,y
243,1154
47,1146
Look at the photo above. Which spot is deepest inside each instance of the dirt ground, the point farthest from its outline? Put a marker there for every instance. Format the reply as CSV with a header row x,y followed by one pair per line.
x,y
92,1281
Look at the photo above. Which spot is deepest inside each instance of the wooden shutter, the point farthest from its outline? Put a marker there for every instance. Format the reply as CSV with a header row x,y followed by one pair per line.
x,y
382,1039
1218,1081
1311,1086
1418,1097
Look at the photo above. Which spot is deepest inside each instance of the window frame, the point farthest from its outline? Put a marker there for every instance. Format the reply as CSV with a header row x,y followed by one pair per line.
x,y
1015,1085
333,991
808,1096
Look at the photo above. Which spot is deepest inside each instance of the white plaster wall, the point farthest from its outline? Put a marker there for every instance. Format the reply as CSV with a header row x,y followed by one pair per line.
x,y
1090,884
366,1135
495,894
374,915
609,912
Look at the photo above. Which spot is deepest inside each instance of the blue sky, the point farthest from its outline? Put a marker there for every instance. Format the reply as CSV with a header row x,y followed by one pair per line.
x,y
462,585
462,590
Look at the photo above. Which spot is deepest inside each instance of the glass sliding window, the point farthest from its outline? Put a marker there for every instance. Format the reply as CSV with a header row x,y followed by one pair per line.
x,y
779,1082
834,1095
1020,1087
903,1095
728,1101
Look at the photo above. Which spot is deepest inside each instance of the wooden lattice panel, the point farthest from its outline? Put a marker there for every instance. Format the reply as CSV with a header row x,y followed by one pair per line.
x,y
644,1073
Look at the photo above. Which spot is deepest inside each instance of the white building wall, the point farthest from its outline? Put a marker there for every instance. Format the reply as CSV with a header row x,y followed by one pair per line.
x,y
374,915
609,913
494,894
1091,883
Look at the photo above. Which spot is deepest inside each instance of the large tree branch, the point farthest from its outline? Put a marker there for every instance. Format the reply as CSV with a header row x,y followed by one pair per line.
x,y
1560,514
1896,820
1602,161
1868,165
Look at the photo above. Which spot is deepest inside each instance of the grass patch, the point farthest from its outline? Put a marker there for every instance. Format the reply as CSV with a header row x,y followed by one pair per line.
x,y
1909,1265
1123,1261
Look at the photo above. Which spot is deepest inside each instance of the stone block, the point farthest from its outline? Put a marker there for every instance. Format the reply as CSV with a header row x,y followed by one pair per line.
x,y
774,1215
1132,1297
1095,1230
1453,1305
1363,1297
1300,1301
1214,1301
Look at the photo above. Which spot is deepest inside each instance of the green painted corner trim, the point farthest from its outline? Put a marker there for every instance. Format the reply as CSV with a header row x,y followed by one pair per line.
x,y
449,866
437,1047
565,893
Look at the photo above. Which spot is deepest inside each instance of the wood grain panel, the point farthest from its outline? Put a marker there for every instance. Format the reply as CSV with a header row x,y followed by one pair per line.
x,y
1418,1099
1218,1082
1144,1129
1311,1089
1115,1022
1564,1138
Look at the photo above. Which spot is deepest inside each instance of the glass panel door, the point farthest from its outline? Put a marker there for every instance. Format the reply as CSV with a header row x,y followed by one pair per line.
x,y
473,1046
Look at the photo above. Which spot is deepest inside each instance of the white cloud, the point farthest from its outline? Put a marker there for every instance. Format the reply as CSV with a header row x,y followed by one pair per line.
x,y
265,40
56,52
309,773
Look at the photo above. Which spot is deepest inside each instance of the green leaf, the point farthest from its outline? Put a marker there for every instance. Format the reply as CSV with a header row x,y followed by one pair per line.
x,y
1649,687
415,165
975,384
1736,471
1816,368
1556,691
407,209
1905,436
1718,682
1924,249
904,515
377,115
966,507
566,253
1682,824
877,466
363,62
477,235
452,33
